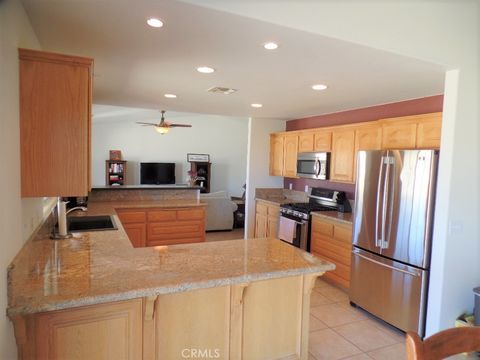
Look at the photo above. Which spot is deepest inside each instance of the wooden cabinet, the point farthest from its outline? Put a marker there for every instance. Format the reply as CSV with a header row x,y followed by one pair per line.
x,y
137,234
55,124
106,331
343,155
322,140
306,142
368,137
429,130
266,220
276,155
163,226
398,134
332,241
290,151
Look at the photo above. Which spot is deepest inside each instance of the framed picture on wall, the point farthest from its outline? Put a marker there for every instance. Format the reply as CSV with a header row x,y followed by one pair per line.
x,y
198,157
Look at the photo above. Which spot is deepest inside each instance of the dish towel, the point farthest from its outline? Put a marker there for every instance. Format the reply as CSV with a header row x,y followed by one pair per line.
x,y
287,229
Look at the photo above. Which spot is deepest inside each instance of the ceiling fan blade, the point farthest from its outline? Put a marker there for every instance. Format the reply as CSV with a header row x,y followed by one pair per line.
x,y
147,124
179,125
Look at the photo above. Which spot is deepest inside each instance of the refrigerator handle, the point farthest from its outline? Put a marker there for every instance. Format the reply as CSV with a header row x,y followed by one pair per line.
x,y
389,194
357,253
377,209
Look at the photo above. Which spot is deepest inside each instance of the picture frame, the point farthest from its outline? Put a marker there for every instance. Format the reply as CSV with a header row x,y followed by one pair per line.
x,y
198,158
115,155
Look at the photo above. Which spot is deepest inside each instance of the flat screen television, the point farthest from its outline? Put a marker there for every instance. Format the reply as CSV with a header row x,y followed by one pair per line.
x,y
157,173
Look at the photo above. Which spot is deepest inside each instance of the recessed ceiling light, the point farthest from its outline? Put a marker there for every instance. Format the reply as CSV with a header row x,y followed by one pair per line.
x,y
319,87
170,96
154,22
270,45
256,105
205,69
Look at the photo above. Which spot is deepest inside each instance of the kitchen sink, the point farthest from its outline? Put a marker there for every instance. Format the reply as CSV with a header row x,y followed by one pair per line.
x,y
91,223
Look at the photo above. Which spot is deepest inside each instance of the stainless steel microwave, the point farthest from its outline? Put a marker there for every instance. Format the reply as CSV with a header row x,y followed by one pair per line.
x,y
313,165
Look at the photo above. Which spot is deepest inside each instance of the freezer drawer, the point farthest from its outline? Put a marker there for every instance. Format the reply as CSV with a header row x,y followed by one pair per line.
x,y
390,290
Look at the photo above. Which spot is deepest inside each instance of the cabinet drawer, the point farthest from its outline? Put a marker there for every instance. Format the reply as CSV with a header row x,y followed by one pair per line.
x,y
322,227
343,234
129,216
174,230
162,215
333,249
341,270
261,208
191,214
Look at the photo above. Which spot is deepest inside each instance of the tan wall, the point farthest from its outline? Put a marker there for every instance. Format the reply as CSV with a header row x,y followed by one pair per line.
x,y
18,218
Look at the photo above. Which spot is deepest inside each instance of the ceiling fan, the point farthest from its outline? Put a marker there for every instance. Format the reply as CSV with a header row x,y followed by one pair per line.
x,y
163,126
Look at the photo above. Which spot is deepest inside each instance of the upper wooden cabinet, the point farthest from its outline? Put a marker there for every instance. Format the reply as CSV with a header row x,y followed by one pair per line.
x,y
399,134
290,151
276,155
368,137
322,140
429,129
343,155
305,142
55,123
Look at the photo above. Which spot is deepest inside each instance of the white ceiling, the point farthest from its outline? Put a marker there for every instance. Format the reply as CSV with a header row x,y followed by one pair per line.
x,y
135,64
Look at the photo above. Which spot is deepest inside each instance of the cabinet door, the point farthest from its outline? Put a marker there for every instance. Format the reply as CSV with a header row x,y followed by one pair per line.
x,y
175,232
276,155
107,331
399,134
305,142
290,155
429,131
323,141
55,115
131,216
343,155
260,226
136,233
272,226
368,137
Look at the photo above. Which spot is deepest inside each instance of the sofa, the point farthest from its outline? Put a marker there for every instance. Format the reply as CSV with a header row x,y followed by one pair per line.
x,y
219,211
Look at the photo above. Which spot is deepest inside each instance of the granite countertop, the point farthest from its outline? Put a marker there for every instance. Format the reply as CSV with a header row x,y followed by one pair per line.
x,y
108,207
98,267
276,200
346,218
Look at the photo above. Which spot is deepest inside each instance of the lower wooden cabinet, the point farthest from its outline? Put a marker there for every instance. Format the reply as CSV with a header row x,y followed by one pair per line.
x,y
106,331
258,320
165,226
266,219
332,241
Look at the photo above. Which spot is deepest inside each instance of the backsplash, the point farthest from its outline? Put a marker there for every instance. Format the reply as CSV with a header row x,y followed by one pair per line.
x,y
299,185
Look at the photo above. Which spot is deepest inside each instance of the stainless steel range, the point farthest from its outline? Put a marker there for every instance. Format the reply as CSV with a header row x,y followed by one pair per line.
x,y
294,224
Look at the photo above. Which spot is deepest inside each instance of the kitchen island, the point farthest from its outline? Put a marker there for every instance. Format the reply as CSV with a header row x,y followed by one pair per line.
x,y
95,296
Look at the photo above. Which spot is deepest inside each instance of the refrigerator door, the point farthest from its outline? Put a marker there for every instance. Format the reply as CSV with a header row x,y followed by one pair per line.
x,y
369,197
390,290
409,184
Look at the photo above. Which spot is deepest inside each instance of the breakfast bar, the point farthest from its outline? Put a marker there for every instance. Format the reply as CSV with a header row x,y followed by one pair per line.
x,y
96,296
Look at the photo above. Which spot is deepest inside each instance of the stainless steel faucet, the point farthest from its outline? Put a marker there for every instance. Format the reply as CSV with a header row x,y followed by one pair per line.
x,y
62,219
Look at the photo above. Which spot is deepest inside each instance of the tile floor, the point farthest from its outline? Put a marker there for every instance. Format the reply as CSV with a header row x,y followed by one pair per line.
x,y
339,331
224,235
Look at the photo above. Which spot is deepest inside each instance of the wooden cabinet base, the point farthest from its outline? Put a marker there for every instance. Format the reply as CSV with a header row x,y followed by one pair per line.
x,y
259,320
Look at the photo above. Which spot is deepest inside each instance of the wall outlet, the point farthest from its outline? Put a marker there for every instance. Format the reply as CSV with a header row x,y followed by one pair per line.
x,y
306,188
290,186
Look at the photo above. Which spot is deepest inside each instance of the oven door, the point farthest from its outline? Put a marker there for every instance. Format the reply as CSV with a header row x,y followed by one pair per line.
x,y
293,231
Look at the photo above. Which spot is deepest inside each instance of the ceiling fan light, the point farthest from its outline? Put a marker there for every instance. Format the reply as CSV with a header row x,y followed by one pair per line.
x,y
162,130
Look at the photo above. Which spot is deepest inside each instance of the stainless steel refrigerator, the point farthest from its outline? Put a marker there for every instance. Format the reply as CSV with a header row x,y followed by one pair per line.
x,y
392,233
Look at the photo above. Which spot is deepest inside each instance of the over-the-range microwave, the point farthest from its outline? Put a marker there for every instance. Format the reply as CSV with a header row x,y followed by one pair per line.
x,y
313,165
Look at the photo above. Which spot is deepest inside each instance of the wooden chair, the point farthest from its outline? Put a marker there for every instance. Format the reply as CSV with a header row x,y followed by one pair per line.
x,y
443,344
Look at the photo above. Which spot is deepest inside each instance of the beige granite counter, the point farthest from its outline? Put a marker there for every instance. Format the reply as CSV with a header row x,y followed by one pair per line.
x,y
279,196
99,267
346,218
108,207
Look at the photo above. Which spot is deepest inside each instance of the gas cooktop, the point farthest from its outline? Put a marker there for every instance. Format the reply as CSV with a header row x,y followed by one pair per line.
x,y
307,207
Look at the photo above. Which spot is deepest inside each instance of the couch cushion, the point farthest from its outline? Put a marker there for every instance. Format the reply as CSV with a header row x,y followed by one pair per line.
x,y
217,194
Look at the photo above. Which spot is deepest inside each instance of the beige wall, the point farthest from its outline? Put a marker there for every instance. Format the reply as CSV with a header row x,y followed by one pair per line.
x,y
18,217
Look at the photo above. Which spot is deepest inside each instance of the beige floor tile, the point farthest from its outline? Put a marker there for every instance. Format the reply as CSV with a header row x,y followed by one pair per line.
x,y
332,293
316,324
393,332
393,352
234,234
366,335
311,357
327,344
318,299
334,315
358,357
321,283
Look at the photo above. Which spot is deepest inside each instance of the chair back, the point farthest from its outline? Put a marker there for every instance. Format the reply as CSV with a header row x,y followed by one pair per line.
x,y
443,344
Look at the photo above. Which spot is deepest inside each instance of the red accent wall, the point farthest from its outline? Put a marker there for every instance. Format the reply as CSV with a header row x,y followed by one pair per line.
x,y
403,108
